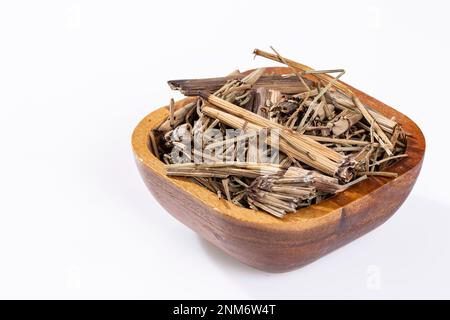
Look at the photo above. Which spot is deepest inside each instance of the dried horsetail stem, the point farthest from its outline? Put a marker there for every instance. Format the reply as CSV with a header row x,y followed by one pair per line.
x,y
177,117
381,136
311,152
301,67
286,84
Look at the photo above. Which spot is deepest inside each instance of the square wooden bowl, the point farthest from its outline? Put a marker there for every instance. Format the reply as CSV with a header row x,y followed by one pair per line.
x,y
278,245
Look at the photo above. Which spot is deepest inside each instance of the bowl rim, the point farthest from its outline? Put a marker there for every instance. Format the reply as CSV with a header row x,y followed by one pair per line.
x,y
304,218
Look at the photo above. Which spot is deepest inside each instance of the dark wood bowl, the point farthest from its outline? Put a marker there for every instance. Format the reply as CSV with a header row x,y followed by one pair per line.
x,y
278,245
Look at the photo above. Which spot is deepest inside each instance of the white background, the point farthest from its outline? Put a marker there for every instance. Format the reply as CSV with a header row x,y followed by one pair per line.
x,y
76,221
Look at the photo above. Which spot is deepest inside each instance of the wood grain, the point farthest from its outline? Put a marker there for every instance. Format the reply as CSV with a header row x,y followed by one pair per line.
x,y
279,245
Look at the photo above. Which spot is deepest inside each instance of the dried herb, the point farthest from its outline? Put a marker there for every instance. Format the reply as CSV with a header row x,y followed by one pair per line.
x,y
276,143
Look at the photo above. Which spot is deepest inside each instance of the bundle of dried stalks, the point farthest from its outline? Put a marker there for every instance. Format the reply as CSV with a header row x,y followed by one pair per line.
x,y
298,138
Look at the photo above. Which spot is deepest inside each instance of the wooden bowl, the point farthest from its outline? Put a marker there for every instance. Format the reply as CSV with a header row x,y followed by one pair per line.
x,y
278,245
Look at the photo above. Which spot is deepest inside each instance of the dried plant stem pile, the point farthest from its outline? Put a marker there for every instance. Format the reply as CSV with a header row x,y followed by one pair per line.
x,y
320,139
